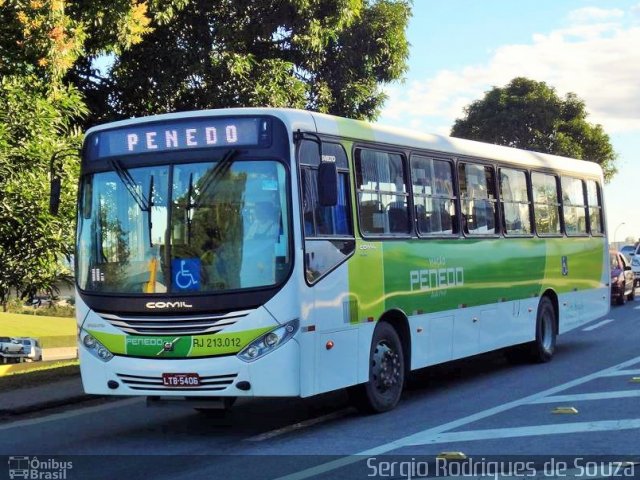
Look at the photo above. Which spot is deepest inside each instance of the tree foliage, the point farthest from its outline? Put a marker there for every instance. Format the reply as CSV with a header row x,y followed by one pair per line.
x,y
37,139
40,41
530,115
326,55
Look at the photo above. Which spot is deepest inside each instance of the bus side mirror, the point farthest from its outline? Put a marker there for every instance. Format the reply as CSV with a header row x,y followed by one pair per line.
x,y
328,184
54,195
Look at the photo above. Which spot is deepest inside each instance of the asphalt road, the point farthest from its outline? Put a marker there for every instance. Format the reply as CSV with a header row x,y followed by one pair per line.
x,y
483,407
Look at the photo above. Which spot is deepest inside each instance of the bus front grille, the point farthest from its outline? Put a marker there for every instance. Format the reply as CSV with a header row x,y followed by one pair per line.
x,y
210,383
173,325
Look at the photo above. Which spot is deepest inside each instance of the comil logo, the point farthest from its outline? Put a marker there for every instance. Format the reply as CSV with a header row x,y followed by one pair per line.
x,y
160,305
37,469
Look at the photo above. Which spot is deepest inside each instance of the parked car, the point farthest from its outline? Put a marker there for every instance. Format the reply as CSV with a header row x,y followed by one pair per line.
x,y
32,348
41,301
10,345
622,278
635,265
628,251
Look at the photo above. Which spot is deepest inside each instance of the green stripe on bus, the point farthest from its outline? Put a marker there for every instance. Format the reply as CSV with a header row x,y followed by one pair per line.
x,y
430,276
190,346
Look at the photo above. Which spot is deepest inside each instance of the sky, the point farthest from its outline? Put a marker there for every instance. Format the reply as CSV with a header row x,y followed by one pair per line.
x,y
462,48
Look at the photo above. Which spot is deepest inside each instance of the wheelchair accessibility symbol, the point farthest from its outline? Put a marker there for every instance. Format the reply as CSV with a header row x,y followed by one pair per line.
x,y
186,274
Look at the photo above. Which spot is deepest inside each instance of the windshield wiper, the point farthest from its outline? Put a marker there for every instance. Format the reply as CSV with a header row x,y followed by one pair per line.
x,y
214,175
190,206
143,202
150,205
128,181
223,166
206,182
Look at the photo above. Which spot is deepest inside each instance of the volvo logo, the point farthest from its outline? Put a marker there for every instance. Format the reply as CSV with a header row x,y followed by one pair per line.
x,y
180,304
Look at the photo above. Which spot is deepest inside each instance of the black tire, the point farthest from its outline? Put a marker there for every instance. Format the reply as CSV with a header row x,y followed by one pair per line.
x,y
621,298
541,350
632,296
386,373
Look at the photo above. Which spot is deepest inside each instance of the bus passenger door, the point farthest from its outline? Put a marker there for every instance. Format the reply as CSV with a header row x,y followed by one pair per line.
x,y
328,244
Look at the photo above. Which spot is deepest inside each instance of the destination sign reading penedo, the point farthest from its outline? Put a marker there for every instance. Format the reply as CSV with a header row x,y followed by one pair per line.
x,y
184,135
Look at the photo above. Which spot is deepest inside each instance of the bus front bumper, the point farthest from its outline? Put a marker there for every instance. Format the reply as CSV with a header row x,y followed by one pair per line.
x,y
277,374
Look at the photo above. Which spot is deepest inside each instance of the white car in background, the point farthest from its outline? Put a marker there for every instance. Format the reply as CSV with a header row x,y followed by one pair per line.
x,y
10,346
32,348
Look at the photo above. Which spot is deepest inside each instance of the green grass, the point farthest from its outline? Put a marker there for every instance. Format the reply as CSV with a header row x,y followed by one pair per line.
x,y
58,341
20,325
53,332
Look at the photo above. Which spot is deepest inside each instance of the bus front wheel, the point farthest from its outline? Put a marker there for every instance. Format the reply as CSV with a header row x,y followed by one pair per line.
x,y
386,373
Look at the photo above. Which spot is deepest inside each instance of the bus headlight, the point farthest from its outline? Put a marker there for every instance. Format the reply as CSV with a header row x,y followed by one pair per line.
x,y
269,341
94,347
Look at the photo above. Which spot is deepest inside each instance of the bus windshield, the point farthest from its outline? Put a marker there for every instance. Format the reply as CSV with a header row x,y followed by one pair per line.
x,y
187,228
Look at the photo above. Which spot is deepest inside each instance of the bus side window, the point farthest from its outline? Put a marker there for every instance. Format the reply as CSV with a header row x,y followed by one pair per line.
x,y
515,202
327,231
594,204
477,198
433,197
546,204
322,221
382,193
574,206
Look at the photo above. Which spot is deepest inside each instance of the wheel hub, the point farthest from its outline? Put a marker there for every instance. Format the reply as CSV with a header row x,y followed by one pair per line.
x,y
386,367
547,332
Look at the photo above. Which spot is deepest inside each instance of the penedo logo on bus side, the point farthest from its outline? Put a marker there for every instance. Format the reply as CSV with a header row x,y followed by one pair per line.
x,y
436,278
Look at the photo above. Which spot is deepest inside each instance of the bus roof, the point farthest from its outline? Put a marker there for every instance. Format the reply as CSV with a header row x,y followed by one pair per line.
x,y
359,130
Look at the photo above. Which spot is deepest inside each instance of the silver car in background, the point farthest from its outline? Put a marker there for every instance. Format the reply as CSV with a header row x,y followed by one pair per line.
x,y
32,348
628,251
635,266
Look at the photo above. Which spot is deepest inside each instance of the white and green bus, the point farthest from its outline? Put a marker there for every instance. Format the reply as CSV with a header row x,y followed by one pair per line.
x,y
284,253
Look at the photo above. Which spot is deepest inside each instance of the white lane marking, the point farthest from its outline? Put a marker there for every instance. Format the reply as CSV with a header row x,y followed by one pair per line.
x,y
530,431
637,308
431,432
598,325
299,426
71,414
622,373
580,397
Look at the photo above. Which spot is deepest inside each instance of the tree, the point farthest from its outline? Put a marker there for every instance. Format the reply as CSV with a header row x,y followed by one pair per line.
x,y
530,115
40,42
329,55
37,140
326,55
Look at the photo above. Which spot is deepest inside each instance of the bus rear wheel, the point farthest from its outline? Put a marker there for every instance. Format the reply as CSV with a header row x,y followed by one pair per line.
x,y
543,347
386,373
